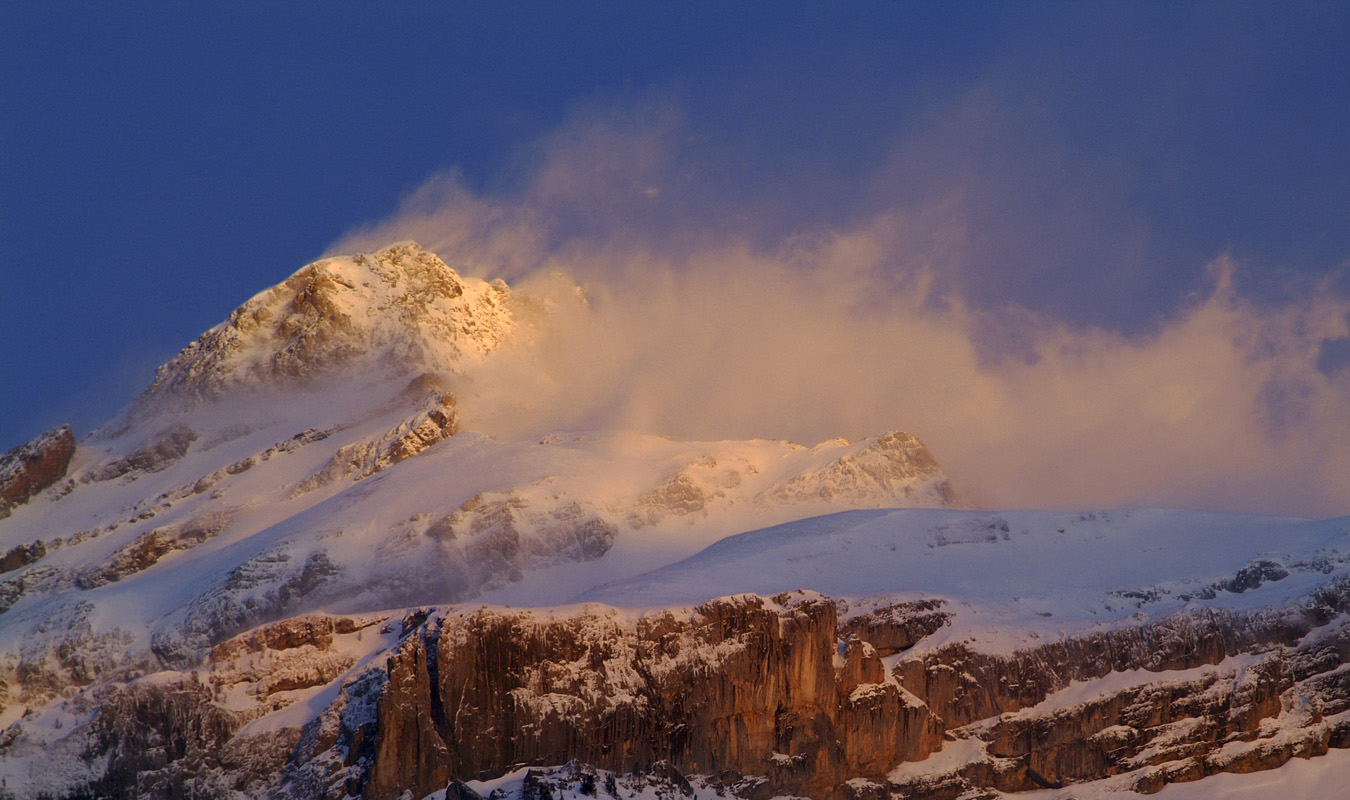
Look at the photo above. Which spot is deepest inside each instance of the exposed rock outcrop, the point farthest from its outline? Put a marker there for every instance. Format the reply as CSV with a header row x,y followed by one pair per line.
x,y
1247,718
22,555
162,740
150,547
437,419
31,467
263,589
743,684
744,697
498,537
895,627
749,686
316,631
964,686
399,309
157,455
894,468
66,652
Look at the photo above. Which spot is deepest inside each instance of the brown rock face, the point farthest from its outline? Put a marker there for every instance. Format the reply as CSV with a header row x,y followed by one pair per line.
x,y
412,748
764,696
22,555
158,737
964,686
316,630
29,468
899,626
1291,703
743,684
1106,735
750,686
440,421
878,720
1252,718
153,545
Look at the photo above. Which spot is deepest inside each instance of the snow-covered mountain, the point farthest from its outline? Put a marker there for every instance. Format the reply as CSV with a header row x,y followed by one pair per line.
x,y
293,568
307,454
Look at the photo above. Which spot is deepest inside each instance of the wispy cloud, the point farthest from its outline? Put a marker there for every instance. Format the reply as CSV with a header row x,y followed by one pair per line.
x,y
701,326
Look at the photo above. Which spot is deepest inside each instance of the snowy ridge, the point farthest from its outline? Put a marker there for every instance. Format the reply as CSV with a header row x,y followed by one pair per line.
x,y
1003,574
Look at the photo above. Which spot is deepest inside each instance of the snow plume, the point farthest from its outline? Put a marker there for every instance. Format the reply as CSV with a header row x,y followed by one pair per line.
x,y
702,326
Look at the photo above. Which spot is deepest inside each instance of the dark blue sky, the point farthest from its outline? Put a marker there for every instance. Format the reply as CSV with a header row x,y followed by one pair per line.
x,y
162,162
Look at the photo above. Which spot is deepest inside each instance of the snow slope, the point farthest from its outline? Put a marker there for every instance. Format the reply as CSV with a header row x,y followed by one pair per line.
x,y
1010,576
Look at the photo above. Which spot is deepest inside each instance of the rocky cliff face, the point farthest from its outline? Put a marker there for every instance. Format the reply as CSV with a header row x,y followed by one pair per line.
x,y
745,684
766,687
744,696
1278,692
30,468
436,418
756,691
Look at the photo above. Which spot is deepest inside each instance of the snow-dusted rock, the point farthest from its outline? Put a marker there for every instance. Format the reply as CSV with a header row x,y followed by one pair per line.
x,y
743,696
29,468
399,309
893,469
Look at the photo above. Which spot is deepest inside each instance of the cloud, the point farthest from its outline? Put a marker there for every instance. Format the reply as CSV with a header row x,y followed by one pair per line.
x,y
707,329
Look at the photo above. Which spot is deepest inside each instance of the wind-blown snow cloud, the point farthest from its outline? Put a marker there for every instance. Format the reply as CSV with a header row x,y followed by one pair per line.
x,y
702,326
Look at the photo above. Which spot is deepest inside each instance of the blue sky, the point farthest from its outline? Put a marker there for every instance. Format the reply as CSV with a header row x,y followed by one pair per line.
x,y
162,162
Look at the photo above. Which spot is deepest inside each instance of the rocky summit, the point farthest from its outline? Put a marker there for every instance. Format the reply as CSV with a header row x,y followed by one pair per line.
x,y
400,309
298,566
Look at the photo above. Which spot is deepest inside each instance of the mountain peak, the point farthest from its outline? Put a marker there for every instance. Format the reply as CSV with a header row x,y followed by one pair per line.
x,y
398,309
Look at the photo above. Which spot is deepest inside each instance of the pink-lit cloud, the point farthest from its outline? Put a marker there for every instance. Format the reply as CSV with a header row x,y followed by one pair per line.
x,y
700,330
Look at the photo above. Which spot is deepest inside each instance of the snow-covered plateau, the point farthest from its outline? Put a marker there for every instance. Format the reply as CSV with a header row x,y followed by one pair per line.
x,y
298,566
